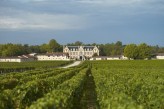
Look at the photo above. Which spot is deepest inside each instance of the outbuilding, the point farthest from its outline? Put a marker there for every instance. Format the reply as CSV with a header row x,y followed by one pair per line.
x,y
160,56
52,56
23,58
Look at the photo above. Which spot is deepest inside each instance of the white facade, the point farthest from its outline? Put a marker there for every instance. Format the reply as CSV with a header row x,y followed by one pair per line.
x,y
123,57
80,52
53,56
23,58
160,56
113,58
10,60
105,58
119,57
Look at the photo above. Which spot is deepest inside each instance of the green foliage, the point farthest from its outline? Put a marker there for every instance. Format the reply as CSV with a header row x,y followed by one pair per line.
x,y
53,46
19,49
108,49
20,67
95,54
6,100
29,86
77,43
131,51
129,84
142,51
62,96
12,50
112,49
118,85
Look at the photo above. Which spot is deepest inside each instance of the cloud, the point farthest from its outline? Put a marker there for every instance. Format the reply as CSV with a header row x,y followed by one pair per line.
x,y
109,2
125,3
42,21
31,0
73,14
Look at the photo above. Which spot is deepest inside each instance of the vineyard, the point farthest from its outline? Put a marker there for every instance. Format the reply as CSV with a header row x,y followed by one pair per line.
x,y
6,67
91,85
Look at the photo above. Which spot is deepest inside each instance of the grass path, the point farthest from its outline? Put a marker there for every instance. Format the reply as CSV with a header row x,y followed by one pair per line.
x,y
89,97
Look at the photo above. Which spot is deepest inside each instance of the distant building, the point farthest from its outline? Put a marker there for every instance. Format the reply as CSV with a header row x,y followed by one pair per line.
x,y
119,57
81,52
52,56
23,58
106,58
123,57
160,56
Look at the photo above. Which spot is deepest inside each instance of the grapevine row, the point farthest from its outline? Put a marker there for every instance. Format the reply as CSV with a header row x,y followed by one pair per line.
x,y
63,96
129,84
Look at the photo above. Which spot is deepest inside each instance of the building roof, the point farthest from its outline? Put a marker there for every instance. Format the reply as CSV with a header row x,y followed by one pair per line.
x,y
77,47
54,54
73,47
160,54
13,57
18,57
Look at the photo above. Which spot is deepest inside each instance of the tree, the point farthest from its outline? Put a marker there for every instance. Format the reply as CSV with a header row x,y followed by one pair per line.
x,y
44,48
154,49
131,51
118,48
119,43
35,49
12,50
102,50
95,54
53,46
78,43
161,50
144,51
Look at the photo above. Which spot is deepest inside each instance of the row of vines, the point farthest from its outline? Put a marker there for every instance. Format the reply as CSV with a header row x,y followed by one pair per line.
x,y
6,67
42,88
129,84
91,85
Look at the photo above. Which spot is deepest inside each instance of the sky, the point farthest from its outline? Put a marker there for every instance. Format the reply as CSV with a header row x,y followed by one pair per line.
x,y
35,22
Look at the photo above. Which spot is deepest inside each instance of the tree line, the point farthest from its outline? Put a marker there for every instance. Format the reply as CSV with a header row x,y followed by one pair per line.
x,y
133,51
19,49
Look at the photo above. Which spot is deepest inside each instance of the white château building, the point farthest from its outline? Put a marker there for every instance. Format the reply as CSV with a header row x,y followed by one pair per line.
x,y
81,52
52,56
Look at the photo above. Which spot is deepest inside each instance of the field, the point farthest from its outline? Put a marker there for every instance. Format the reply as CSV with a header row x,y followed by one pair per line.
x,y
91,85
24,66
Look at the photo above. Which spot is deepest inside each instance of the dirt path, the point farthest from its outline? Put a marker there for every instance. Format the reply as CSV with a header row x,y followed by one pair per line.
x,y
73,64
89,96
88,99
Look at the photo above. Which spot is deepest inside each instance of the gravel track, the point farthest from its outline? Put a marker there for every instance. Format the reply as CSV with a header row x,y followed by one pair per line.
x,y
73,64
